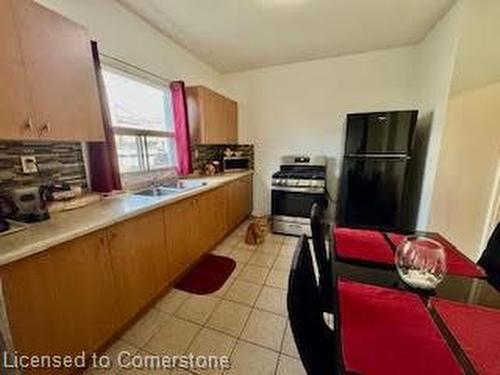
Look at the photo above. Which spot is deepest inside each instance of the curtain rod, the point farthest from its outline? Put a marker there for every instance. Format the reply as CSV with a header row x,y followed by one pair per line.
x,y
122,62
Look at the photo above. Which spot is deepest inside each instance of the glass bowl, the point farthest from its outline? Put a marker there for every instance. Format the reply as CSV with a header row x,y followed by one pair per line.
x,y
421,262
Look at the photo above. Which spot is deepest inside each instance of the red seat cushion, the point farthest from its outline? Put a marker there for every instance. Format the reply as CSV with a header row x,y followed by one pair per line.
x,y
385,331
477,331
363,245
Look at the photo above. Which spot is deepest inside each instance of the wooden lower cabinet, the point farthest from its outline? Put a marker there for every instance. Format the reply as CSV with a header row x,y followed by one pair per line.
x,y
139,261
181,233
75,296
239,201
62,301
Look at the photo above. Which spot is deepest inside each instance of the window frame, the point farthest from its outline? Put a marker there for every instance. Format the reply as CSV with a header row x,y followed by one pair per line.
x,y
121,68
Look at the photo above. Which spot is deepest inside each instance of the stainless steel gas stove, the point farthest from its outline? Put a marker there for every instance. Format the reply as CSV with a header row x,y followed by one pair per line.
x,y
300,182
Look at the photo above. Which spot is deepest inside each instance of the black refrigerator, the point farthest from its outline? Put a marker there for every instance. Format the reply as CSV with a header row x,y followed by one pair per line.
x,y
373,189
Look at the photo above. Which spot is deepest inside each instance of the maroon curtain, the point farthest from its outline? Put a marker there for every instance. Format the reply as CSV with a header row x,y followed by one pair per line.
x,y
183,146
104,171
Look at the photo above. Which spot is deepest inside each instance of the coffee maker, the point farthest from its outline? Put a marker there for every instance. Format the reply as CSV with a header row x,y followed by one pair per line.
x,y
30,203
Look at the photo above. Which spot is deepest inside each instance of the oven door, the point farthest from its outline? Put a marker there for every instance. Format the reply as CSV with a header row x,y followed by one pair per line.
x,y
295,203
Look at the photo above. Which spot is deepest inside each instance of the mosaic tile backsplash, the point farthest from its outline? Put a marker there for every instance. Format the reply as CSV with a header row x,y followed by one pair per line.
x,y
203,154
57,162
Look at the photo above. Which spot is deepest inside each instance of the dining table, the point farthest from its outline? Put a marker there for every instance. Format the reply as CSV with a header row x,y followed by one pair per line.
x,y
461,291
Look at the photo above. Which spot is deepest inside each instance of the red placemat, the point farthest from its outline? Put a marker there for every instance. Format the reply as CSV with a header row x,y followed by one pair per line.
x,y
456,262
385,331
477,331
363,245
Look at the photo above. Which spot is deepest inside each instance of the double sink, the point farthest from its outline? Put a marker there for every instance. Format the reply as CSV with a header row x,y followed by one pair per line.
x,y
171,188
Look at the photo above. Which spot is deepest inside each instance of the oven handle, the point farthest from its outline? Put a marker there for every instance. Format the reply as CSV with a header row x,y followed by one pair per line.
x,y
307,190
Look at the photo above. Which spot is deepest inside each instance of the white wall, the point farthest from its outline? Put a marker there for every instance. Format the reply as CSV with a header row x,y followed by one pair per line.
x,y
435,58
300,108
123,35
467,168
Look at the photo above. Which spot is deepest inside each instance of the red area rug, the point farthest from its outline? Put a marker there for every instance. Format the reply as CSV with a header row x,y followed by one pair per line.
x,y
208,275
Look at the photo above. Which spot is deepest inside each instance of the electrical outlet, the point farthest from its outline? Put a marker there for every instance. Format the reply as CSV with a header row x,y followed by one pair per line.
x,y
28,164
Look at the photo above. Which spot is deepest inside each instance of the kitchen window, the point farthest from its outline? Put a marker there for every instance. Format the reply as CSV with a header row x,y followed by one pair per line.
x,y
142,120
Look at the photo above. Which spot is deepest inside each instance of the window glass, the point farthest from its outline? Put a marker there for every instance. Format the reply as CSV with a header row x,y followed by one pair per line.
x,y
143,117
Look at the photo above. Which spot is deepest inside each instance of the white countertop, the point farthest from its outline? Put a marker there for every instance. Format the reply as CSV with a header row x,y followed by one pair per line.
x,y
68,225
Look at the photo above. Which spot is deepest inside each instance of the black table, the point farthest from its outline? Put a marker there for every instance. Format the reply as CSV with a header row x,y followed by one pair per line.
x,y
475,291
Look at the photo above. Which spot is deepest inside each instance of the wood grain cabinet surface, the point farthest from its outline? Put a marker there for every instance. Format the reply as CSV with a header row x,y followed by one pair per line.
x,y
51,76
78,295
139,260
213,118
62,301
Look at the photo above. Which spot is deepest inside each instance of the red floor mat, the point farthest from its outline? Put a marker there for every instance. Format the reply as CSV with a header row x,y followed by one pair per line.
x,y
208,275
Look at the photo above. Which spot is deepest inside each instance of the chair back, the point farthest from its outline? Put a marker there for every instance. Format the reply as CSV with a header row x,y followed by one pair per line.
x,y
319,230
490,259
315,341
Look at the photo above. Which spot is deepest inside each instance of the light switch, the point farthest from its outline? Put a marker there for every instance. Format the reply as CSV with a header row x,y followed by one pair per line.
x,y
28,164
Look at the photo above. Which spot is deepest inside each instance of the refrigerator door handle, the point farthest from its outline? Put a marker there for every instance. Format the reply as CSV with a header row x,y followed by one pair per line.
x,y
379,156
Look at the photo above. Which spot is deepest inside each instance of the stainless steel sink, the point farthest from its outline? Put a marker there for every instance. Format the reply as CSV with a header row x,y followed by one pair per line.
x,y
173,188
184,184
158,192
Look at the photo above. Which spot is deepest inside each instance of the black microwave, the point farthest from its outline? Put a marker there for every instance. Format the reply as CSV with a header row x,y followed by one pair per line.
x,y
236,163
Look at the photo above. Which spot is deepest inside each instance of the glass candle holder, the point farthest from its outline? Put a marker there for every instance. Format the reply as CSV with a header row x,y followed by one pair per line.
x,y
421,262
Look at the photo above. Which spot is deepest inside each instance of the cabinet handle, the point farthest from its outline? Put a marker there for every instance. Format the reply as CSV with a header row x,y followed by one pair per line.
x,y
29,124
45,128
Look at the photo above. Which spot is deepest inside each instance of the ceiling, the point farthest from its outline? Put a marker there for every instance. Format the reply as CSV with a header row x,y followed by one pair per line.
x,y
235,35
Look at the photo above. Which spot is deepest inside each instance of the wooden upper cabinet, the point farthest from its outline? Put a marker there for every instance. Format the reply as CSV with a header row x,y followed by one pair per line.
x,y
213,118
59,75
15,107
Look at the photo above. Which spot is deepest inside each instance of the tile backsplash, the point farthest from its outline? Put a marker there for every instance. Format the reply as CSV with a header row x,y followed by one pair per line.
x,y
57,162
205,153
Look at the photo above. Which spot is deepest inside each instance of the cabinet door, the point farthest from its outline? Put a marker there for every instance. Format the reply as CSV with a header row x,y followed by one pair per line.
x,y
61,77
220,209
231,123
182,233
233,204
139,260
62,300
15,106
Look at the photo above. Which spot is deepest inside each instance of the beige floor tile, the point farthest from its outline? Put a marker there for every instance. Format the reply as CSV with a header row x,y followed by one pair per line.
x,y
223,250
270,248
113,352
172,301
264,328
287,251
276,238
273,300
290,366
229,242
289,347
283,263
144,329
214,343
237,270
243,292
290,241
262,260
229,317
249,359
172,337
197,308
247,247
254,274
241,255
278,279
